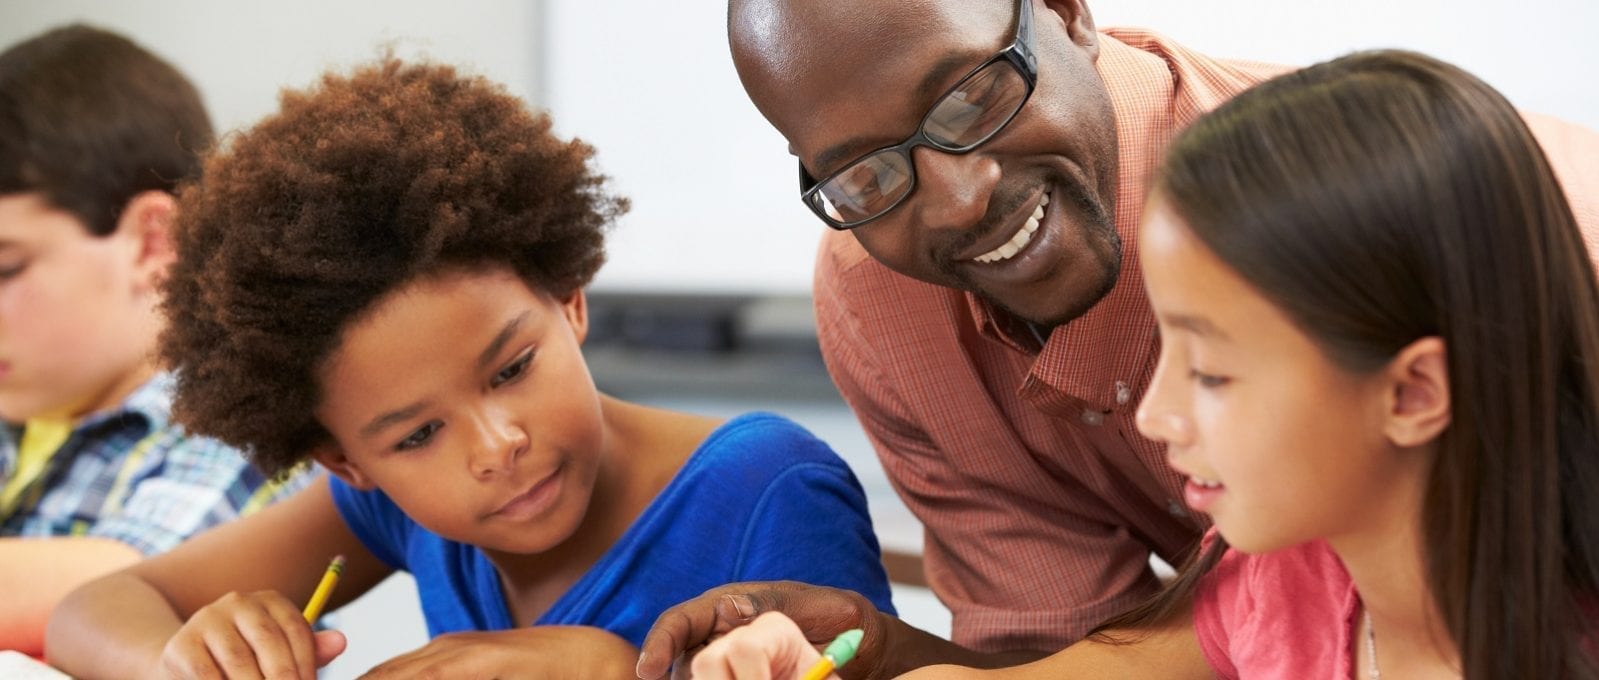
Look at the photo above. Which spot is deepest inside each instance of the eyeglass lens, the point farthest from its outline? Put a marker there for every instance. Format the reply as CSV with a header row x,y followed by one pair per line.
x,y
971,113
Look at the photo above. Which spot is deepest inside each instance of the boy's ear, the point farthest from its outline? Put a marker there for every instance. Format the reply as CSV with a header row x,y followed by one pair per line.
x,y
146,222
1420,408
330,456
576,309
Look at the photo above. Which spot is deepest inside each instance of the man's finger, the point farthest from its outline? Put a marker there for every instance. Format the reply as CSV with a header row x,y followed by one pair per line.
x,y
678,629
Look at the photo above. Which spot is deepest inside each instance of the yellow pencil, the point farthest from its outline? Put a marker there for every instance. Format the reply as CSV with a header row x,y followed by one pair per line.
x,y
838,653
330,578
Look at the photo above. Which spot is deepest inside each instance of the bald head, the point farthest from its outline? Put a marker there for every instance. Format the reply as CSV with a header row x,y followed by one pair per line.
x,y
797,55
779,35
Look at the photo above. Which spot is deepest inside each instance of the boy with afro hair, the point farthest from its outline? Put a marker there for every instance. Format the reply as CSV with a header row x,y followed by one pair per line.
x,y
387,277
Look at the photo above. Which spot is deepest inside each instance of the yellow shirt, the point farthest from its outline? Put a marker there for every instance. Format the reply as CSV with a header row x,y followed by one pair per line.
x,y
41,439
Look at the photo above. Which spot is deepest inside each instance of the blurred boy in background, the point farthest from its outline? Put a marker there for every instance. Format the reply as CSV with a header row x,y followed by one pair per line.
x,y
95,134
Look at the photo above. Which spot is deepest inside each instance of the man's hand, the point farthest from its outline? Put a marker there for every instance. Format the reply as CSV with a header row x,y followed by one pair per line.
x,y
821,613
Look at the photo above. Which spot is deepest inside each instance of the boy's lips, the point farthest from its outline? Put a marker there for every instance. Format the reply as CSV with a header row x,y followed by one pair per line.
x,y
533,501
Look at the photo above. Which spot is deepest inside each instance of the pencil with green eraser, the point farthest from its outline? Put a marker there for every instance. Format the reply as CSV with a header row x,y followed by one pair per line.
x,y
838,653
330,578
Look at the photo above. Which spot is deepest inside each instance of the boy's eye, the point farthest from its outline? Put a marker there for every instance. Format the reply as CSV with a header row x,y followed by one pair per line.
x,y
1207,380
512,371
418,438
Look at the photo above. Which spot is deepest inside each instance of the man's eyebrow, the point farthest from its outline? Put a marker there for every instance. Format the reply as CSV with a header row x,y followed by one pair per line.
x,y
498,343
931,84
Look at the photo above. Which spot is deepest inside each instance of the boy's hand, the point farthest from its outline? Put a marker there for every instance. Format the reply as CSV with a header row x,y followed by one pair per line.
x,y
249,635
535,653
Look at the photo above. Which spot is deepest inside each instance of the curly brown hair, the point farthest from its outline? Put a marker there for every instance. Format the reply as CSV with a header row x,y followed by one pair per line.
x,y
355,188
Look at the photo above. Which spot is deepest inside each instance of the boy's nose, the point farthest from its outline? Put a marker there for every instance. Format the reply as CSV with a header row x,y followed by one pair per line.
x,y
500,442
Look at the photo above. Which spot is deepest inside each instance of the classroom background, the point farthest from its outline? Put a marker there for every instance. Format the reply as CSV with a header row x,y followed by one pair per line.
x,y
704,304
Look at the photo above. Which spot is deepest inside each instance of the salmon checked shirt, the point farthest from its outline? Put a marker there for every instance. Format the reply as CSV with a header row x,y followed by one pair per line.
x,y
132,475
1041,501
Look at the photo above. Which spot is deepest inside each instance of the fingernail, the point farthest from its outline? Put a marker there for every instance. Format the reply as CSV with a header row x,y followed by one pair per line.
x,y
743,605
638,669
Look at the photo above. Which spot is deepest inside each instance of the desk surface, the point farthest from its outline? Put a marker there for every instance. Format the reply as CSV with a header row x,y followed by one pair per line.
x,y
19,666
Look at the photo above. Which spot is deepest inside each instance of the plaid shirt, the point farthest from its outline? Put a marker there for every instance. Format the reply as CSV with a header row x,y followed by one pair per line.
x,y
1042,502
132,475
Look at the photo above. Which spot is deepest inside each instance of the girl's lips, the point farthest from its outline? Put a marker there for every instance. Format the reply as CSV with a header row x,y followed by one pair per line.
x,y
1201,497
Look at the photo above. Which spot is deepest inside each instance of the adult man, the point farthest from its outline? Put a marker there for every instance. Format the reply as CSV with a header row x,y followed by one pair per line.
x,y
983,315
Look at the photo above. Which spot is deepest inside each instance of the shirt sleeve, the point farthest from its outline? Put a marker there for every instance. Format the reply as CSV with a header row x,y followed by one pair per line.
x,y
1573,153
810,524
1019,570
177,486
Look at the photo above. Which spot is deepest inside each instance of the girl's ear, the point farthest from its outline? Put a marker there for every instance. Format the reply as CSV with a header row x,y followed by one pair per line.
x,y
576,309
1420,407
330,456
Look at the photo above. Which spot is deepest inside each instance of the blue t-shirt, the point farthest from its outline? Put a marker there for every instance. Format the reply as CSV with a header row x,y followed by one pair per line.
x,y
761,499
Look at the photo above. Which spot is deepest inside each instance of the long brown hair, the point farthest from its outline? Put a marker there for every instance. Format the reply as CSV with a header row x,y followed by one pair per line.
x,y
1387,196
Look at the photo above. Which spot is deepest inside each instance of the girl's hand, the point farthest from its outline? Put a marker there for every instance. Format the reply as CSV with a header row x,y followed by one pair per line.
x,y
537,652
771,647
249,635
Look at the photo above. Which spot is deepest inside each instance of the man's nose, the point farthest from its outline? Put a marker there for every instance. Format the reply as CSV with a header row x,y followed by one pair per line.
x,y
953,190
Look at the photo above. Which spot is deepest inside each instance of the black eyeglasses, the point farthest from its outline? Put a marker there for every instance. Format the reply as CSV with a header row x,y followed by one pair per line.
x,y
970,113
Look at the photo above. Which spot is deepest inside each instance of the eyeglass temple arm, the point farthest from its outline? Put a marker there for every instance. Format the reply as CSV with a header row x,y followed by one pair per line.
x,y
1024,34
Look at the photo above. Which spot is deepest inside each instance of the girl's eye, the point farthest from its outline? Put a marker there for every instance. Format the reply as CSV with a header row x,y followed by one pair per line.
x,y
419,438
9,270
1207,380
513,371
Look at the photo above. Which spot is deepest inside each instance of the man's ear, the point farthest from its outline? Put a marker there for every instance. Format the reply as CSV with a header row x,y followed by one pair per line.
x,y
1419,382
1079,23
329,455
576,309
146,224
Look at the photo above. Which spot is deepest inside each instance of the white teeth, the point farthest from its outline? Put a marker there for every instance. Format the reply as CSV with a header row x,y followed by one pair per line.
x,y
1204,483
1021,239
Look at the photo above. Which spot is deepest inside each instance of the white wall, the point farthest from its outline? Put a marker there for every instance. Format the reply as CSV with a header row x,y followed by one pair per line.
x,y
239,54
652,86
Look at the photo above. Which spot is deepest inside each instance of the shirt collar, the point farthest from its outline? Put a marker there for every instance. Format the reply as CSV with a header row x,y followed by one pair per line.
x,y
149,406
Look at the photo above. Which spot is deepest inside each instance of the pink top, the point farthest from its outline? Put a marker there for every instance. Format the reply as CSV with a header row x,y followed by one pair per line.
x,y
1285,614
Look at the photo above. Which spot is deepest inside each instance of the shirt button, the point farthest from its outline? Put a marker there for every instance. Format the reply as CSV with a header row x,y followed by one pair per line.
x,y
1124,393
1176,509
1092,417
